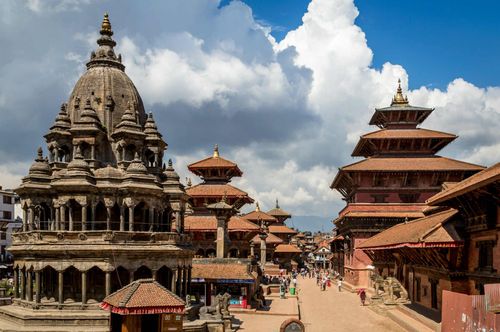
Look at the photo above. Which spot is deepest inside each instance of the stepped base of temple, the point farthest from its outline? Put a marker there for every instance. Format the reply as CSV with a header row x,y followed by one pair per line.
x,y
18,318
271,269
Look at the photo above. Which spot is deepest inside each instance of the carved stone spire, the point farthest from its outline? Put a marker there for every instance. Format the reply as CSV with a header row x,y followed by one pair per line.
x,y
105,54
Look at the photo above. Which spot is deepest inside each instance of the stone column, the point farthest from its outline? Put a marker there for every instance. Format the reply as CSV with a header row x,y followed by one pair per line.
x,y
108,218
108,282
62,218
60,287
186,280
53,211
84,287
92,152
16,283
70,214
131,276
84,217
29,286
221,236
154,274
252,249
178,281
151,218
131,218
122,218
38,296
92,215
174,280
182,276
189,280
31,218
262,252
57,226
25,219
22,285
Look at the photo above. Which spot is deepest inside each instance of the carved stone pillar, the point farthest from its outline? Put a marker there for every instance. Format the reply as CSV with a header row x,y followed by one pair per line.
x,y
56,226
173,287
189,280
70,215
131,276
131,218
92,215
186,280
84,217
25,219
122,218
108,282
16,283
92,152
29,286
31,218
182,276
22,285
62,218
38,296
108,218
151,218
84,287
60,287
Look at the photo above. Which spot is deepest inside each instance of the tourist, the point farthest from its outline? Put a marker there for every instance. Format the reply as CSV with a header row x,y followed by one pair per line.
x,y
339,284
294,281
362,296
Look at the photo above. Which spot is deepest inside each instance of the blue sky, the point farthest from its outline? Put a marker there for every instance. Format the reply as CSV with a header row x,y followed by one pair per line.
x,y
288,112
436,41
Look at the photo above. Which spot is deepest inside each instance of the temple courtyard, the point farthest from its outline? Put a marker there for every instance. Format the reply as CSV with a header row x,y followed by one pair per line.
x,y
319,311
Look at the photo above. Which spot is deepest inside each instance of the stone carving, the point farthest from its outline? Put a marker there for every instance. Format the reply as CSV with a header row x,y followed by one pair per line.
x,y
389,290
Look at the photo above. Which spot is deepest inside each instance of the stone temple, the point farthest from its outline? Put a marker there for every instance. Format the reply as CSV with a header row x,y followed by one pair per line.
x,y
101,210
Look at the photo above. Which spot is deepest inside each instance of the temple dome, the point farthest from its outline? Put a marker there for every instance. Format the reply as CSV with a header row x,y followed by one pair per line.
x,y
106,85
40,166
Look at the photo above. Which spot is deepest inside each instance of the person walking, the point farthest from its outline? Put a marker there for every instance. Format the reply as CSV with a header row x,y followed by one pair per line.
x,y
362,296
339,284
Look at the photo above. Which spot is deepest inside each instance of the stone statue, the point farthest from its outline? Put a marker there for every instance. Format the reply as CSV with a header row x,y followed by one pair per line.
x,y
225,304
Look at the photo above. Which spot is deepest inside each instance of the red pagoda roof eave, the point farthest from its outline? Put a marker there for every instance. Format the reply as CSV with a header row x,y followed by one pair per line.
x,y
142,310
424,245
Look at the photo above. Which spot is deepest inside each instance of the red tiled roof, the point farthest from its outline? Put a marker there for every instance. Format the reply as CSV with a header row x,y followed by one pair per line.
x,y
277,212
287,248
209,224
430,231
214,162
271,239
408,133
221,271
478,180
436,163
204,189
281,229
259,215
382,208
144,296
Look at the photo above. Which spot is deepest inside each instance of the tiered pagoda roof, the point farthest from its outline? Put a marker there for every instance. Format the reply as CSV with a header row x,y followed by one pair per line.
x,y
209,224
216,173
258,216
400,147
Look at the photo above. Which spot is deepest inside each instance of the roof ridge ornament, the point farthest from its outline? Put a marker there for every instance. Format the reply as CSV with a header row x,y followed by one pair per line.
x,y
277,204
106,25
257,207
399,98
216,151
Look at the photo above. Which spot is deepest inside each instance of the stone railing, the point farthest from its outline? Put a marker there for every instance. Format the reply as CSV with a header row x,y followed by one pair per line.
x,y
98,237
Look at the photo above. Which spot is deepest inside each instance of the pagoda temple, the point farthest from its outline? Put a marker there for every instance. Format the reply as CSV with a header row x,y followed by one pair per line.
x,y
399,172
216,173
101,210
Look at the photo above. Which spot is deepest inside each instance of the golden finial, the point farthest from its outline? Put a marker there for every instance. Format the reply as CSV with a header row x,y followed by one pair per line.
x,y
216,151
277,204
257,207
399,99
106,25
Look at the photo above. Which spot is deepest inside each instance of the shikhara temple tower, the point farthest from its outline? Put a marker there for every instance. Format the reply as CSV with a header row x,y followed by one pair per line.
x,y
101,210
400,170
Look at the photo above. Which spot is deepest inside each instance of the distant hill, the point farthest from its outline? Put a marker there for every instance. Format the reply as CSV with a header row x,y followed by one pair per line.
x,y
310,223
